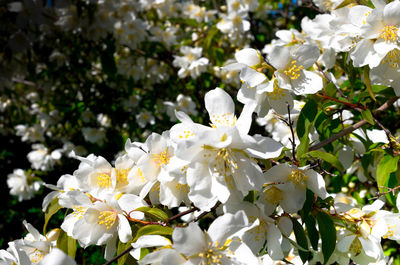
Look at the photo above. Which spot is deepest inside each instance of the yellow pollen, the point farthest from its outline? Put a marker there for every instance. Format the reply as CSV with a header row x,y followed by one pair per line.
x,y
36,256
392,58
140,173
162,158
390,232
122,176
182,187
104,180
356,246
292,70
298,178
107,218
389,33
273,195
277,93
225,119
79,211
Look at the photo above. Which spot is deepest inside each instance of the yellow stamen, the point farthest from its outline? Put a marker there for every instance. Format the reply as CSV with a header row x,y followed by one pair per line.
x,y
389,33
107,218
293,71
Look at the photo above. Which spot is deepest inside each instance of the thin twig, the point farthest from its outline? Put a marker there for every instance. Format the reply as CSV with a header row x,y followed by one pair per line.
x,y
182,214
205,213
118,256
353,127
327,78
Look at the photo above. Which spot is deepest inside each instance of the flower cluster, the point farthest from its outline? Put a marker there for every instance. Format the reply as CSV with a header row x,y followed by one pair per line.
x,y
197,181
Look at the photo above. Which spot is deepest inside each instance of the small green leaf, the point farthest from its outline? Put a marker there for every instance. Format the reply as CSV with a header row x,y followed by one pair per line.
x,y
301,239
367,115
307,206
327,232
304,125
330,89
52,209
329,158
367,81
154,213
345,3
66,243
153,230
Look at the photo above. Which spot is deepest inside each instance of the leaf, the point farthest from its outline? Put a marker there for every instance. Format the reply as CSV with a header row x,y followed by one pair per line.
x,y
310,197
327,232
329,158
301,239
345,3
154,213
52,209
153,230
330,89
367,115
66,244
312,231
304,125
386,176
387,165
121,248
367,81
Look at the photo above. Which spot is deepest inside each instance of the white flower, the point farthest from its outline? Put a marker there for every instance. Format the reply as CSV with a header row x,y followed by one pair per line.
x,y
286,185
20,185
145,117
291,64
191,63
99,222
94,135
220,156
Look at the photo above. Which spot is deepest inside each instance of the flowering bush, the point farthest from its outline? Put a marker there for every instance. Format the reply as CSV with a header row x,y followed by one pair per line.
x,y
135,119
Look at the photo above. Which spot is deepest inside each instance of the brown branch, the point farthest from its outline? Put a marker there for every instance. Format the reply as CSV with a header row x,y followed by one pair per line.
x,y
353,127
118,256
351,105
182,214
205,213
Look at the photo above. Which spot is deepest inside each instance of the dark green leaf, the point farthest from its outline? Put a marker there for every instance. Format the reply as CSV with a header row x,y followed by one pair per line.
x,y
304,125
312,231
327,232
154,213
301,239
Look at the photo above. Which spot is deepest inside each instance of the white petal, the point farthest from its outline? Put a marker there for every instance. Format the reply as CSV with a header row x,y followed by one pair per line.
x,y
189,240
147,241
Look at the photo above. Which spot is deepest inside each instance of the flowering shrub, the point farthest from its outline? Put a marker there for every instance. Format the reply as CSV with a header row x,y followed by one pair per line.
x,y
177,132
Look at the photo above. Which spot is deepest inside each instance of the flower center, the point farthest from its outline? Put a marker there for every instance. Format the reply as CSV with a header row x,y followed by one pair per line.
x,y
298,178
212,255
278,93
104,180
273,195
392,58
225,119
355,246
122,176
389,33
107,218
162,158
292,70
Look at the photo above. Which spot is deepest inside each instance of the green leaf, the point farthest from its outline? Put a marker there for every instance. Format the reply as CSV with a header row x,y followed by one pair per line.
x,y
154,213
307,206
121,248
312,231
345,3
387,165
301,239
66,243
52,209
367,81
153,230
367,115
327,232
330,90
386,175
329,158
304,125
